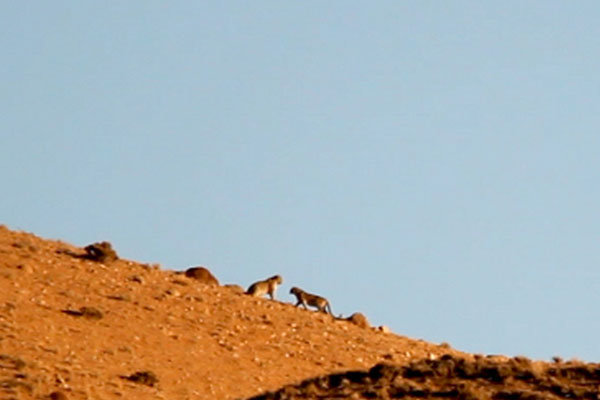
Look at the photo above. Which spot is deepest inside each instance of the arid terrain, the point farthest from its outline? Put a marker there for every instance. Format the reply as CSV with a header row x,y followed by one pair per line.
x,y
77,325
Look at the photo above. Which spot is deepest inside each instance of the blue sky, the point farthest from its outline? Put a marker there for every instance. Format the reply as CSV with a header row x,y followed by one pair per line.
x,y
431,164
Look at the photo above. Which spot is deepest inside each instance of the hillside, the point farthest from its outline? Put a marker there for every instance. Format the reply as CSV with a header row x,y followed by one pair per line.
x,y
75,328
199,341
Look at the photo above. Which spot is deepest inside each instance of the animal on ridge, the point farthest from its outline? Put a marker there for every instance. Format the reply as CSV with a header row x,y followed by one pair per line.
x,y
267,286
308,299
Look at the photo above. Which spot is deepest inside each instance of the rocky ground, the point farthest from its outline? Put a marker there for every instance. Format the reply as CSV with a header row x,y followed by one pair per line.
x,y
80,323
452,377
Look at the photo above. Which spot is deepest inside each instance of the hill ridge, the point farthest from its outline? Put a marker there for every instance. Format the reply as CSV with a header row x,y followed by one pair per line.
x,y
84,329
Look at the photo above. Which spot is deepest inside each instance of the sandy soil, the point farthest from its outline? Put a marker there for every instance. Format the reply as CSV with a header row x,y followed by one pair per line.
x,y
74,328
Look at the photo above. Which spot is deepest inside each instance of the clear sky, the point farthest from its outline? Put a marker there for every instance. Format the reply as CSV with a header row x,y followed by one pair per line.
x,y
431,164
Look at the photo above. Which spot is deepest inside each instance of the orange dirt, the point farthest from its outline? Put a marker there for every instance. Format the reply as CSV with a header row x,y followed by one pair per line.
x,y
75,328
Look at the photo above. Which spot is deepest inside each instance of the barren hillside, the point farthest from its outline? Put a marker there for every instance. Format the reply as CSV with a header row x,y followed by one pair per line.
x,y
198,341
72,327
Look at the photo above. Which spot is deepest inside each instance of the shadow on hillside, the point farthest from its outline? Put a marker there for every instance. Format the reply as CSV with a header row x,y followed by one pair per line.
x,y
452,377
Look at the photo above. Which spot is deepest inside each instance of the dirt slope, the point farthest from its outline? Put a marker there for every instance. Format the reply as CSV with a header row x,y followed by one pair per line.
x,y
75,328
80,329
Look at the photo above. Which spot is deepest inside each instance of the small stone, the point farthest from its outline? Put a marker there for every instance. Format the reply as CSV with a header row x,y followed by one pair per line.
x,y
203,275
359,319
58,395
147,378
26,268
86,312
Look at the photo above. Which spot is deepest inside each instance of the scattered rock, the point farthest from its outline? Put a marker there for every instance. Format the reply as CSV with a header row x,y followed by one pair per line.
x,y
25,246
142,377
101,252
198,340
25,268
86,312
11,362
119,297
12,384
58,395
203,275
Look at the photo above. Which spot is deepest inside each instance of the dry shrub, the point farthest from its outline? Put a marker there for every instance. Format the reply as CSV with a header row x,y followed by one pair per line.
x,y
101,252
